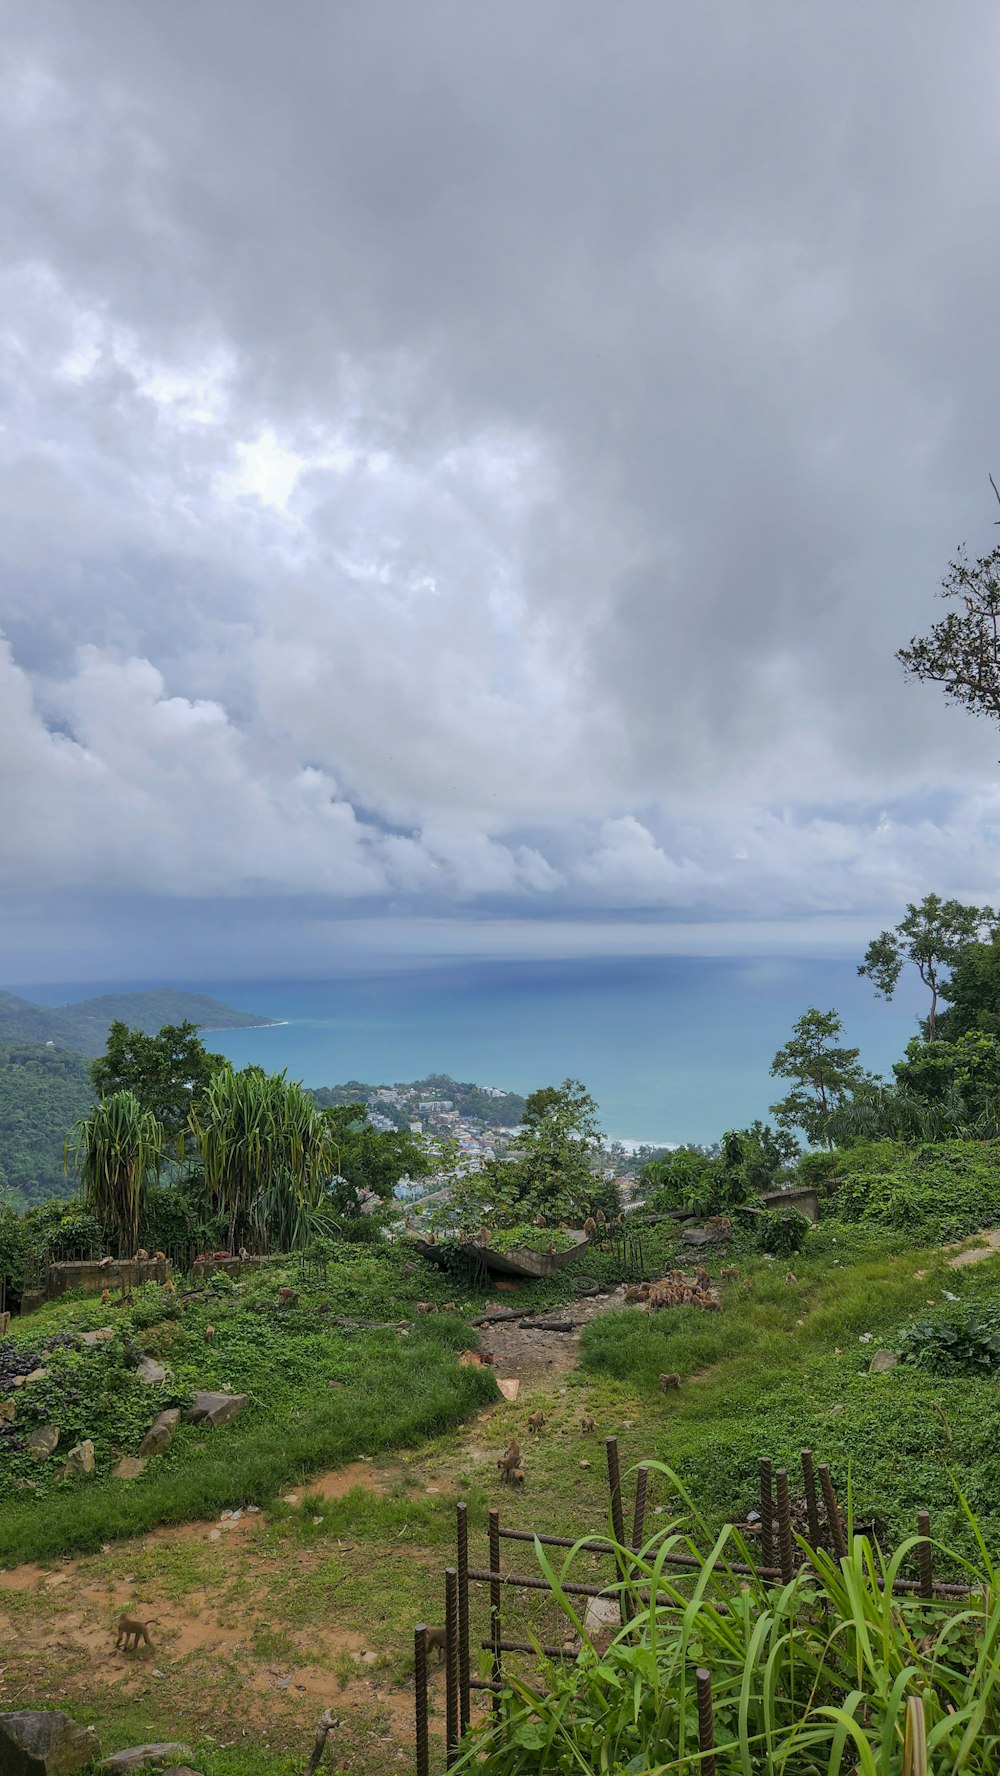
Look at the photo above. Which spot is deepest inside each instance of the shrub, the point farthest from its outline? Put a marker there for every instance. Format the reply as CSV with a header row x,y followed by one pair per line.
x,y
779,1232
963,1341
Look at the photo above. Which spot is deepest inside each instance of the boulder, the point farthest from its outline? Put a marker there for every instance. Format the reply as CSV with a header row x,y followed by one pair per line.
x,y
144,1757
882,1362
7,1410
42,1443
22,1381
152,1371
44,1743
707,1236
99,1337
80,1460
129,1468
216,1409
161,1433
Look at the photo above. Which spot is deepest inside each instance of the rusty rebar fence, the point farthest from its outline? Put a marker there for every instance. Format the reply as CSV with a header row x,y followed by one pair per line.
x,y
821,1528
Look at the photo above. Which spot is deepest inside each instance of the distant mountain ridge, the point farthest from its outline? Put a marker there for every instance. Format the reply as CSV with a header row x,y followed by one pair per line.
x,y
83,1024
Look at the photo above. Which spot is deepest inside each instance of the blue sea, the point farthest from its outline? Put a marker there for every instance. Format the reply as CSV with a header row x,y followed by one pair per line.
x,y
673,1049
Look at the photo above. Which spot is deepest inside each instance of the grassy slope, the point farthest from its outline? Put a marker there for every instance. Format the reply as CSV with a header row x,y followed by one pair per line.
x,y
754,1381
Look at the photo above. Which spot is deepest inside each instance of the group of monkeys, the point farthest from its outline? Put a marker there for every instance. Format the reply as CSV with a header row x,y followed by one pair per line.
x,y
509,1463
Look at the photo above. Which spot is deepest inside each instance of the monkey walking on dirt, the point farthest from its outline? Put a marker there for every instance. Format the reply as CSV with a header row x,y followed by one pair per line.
x,y
130,1628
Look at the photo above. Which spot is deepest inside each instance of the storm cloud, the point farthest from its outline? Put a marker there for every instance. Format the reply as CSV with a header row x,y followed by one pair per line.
x,y
468,467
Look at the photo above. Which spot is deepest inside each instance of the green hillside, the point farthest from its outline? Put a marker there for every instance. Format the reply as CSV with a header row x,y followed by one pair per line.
x,y
84,1023
43,1092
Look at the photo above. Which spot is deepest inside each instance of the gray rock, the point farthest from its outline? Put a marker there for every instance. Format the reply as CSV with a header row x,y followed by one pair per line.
x,y
882,1362
144,1757
23,1381
161,1433
80,1460
129,1468
706,1236
42,1443
152,1371
44,1743
216,1409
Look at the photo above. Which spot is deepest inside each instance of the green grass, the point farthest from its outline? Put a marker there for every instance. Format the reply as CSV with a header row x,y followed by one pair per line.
x,y
755,1382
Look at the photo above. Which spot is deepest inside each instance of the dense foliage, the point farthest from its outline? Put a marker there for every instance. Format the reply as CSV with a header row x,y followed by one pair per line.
x,y
707,1181
168,1073
933,1192
552,1168
43,1092
962,1339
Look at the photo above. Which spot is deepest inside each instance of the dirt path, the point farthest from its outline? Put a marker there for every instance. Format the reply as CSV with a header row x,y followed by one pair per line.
x,y
528,1353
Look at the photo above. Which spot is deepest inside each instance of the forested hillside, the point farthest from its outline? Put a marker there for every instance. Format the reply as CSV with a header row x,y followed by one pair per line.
x,y
43,1092
84,1024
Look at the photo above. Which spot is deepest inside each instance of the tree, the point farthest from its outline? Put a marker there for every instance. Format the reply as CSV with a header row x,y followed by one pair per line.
x,y
932,936
973,992
551,1168
269,1157
962,652
370,1159
169,1073
824,1074
116,1150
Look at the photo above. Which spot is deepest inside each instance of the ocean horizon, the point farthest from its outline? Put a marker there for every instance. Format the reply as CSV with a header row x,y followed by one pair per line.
x,y
673,1049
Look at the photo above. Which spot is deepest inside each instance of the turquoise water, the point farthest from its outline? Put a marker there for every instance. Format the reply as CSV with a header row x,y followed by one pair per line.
x,y
674,1049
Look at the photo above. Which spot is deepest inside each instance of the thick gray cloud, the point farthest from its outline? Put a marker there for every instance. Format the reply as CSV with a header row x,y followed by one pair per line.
x,y
468,462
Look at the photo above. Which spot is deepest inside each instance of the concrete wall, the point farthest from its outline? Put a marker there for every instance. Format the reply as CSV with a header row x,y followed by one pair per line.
x,y
87,1273
804,1199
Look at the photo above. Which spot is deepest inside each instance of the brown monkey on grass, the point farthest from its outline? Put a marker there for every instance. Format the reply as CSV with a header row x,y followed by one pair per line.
x,y
669,1381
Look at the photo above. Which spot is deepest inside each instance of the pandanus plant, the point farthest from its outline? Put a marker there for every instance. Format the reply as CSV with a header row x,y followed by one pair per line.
x,y
116,1151
268,1156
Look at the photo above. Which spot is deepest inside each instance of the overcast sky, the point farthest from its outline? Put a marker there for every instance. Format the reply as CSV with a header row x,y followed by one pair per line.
x,y
466,468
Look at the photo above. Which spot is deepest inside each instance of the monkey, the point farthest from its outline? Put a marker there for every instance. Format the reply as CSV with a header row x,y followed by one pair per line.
x,y
701,1274
790,1277
586,1422
450,1307
287,1297
536,1420
620,1218
427,1307
104,1261
601,1217
105,1297
748,1286
729,1273
141,1256
590,1227
131,1628
169,1288
669,1381
209,1334
517,1477
488,1359
160,1255
510,1459
243,1252
437,1640
540,1221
